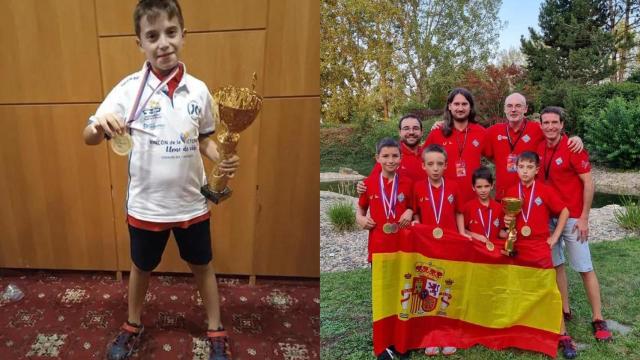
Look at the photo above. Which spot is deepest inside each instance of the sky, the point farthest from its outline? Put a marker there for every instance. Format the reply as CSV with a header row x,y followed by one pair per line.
x,y
520,15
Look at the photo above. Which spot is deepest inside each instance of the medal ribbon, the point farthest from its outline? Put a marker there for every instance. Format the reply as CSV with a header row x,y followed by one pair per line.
x,y
487,230
464,143
389,204
533,189
437,213
547,167
513,145
135,110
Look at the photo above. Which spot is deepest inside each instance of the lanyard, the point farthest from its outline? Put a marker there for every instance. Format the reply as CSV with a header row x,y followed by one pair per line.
x,y
513,145
464,143
389,204
487,230
525,217
547,165
135,110
438,213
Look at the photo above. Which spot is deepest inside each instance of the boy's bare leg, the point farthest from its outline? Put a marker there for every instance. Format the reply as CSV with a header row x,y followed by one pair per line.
x,y
592,287
208,287
138,284
561,279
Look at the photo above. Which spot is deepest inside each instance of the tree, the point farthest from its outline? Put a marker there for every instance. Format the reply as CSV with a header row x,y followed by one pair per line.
x,y
511,56
623,22
491,86
376,55
573,48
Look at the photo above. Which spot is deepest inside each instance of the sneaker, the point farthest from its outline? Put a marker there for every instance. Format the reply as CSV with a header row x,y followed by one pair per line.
x,y
432,351
386,354
125,343
568,347
601,331
219,348
449,350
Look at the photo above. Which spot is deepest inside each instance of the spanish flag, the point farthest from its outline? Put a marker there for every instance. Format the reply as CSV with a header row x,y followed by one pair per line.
x,y
455,292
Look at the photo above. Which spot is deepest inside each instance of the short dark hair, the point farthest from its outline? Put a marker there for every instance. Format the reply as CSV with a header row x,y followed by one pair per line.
x,y
153,8
482,172
553,110
529,156
447,127
409,116
386,142
434,148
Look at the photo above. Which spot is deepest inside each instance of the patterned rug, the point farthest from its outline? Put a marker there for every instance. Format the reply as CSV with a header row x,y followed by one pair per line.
x,y
74,315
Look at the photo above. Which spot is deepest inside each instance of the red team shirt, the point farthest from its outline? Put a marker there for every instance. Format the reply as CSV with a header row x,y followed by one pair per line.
x,y
473,223
457,148
450,204
373,200
560,168
410,164
546,203
497,146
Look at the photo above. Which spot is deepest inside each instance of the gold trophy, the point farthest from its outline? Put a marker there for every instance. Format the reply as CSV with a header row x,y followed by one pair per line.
x,y
511,207
237,108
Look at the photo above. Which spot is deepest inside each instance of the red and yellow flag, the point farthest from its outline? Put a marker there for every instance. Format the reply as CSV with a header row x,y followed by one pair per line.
x,y
455,292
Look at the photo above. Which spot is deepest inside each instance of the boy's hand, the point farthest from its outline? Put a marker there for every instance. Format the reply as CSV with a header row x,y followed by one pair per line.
x,y
437,125
508,219
575,144
552,240
230,165
365,222
482,238
110,124
405,218
361,188
582,227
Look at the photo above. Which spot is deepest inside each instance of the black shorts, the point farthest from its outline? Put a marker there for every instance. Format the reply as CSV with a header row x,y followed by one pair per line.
x,y
193,242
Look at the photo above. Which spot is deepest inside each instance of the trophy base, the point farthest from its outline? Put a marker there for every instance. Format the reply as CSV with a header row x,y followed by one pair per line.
x,y
511,253
215,196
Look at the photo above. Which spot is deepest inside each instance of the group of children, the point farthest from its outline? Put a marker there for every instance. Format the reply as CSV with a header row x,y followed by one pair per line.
x,y
396,202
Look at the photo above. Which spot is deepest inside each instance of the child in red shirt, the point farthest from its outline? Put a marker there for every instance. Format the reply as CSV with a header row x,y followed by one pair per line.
x,y
436,202
539,201
390,209
482,215
388,196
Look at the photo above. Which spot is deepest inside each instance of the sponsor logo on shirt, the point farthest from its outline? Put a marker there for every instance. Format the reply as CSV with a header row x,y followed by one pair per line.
x,y
151,111
194,110
401,197
450,198
585,164
500,137
475,143
526,138
538,201
559,161
496,222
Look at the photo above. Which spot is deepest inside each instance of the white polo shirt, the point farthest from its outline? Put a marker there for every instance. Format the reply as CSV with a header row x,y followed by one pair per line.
x,y
165,166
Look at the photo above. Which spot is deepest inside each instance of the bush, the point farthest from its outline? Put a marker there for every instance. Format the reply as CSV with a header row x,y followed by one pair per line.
x,y
582,103
629,218
342,215
370,133
612,136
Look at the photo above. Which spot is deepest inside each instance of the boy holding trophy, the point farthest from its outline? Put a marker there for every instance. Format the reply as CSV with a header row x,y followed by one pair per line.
x,y
161,117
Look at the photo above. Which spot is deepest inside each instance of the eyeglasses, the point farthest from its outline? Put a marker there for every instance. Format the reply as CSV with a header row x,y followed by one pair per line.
x,y
511,106
406,128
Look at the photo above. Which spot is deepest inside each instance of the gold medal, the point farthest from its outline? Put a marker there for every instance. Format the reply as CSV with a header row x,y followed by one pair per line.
x,y
437,233
394,228
525,231
387,228
122,144
489,245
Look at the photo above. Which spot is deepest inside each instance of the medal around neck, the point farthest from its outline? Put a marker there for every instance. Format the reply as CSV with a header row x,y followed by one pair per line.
x,y
489,245
122,144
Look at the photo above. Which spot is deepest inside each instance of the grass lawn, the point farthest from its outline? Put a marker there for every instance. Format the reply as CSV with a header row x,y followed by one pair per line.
x,y
345,311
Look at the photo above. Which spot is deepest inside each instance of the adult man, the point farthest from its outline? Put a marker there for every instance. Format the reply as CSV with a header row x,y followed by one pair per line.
x,y
570,174
410,133
462,138
504,142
